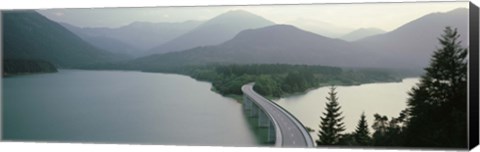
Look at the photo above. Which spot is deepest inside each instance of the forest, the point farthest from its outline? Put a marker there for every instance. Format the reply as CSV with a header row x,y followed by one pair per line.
x,y
24,66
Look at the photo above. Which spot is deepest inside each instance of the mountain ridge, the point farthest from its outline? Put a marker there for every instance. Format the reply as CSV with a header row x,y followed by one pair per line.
x,y
286,44
421,36
140,36
282,44
214,31
29,35
361,33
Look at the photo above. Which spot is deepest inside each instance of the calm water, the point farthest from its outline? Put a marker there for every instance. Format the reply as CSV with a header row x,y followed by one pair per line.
x,y
382,98
121,107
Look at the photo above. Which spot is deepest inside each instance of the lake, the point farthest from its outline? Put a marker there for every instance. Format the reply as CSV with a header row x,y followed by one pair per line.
x,y
382,98
121,107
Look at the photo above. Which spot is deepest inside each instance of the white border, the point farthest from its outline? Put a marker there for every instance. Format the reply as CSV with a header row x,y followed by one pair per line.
x,y
42,4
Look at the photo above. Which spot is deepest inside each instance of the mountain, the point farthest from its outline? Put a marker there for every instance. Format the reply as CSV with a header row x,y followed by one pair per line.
x,y
320,27
411,45
113,45
408,47
214,31
138,36
146,35
361,33
103,42
29,35
273,44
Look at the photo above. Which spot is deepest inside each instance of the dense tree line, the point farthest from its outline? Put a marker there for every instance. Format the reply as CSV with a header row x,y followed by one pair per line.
x,y
272,80
276,80
436,112
23,66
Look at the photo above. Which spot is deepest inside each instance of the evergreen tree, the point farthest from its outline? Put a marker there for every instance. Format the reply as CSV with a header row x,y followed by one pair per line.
x,y
362,134
438,104
331,125
348,139
380,127
387,133
380,124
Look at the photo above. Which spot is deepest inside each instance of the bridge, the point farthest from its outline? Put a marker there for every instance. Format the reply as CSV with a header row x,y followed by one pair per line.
x,y
283,128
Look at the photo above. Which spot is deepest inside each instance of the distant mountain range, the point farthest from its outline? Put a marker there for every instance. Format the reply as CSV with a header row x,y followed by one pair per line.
x,y
103,42
361,33
134,38
272,44
29,35
408,47
322,28
214,31
236,37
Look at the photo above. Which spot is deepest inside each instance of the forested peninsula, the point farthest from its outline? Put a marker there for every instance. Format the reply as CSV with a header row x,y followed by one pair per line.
x,y
278,80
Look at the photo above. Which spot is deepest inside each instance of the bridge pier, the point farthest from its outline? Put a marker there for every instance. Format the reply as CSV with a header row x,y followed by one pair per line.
x,y
247,104
263,120
271,137
252,110
249,107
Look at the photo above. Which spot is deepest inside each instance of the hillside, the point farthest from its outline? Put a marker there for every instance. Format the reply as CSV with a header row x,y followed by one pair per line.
x,y
29,35
139,36
322,28
273,44
103,42
411,45
361,33
214,31
406,48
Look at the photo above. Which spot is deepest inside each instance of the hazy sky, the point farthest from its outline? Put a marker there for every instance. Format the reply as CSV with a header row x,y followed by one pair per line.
x,y
386,16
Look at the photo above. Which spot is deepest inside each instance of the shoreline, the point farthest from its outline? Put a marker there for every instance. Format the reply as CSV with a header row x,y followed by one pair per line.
x,y
235,97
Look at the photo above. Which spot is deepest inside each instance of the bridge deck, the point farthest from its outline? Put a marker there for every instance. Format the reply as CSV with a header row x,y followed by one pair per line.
x,y
293,134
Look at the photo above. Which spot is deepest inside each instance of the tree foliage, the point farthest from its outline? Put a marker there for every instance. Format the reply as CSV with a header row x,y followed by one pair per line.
x,y
438,104
24,66
348,139
331,124
387,133
362,134
360,137
276,80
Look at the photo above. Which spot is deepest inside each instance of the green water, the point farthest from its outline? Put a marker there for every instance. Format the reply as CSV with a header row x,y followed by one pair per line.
x,y
121,107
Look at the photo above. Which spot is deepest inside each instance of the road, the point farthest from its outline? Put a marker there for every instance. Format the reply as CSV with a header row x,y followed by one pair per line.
x,y
293,134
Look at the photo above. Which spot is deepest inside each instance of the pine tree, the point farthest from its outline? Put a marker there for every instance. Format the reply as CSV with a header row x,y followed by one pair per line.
x,y
331,123
348,139
387,133
380,124
438,104
362,134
